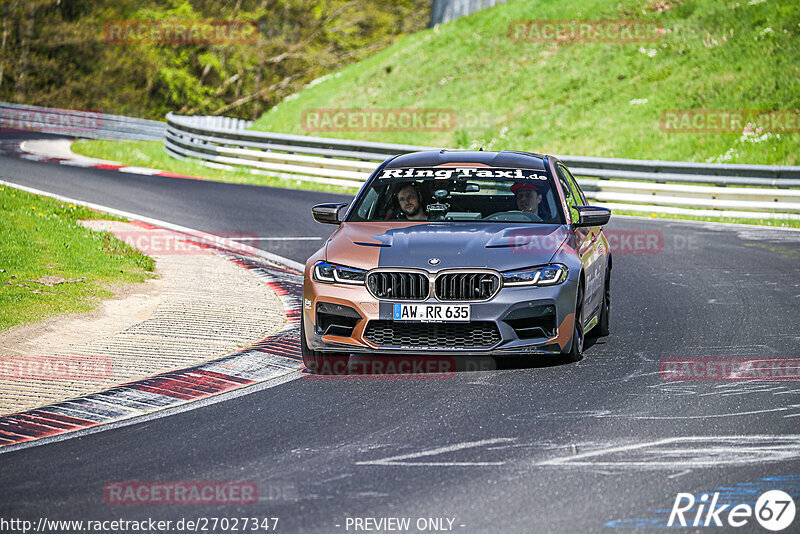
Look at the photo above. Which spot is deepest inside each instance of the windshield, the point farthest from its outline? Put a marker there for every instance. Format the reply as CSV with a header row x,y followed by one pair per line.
x,y
459,194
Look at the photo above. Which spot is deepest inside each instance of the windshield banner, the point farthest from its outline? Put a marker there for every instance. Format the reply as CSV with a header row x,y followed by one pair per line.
x,y
465,172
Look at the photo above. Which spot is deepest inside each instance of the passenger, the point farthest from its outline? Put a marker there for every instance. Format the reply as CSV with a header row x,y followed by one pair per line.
x,y
528,197
410,202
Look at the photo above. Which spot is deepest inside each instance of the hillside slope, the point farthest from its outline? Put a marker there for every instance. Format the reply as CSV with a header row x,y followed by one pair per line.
x,y
593,99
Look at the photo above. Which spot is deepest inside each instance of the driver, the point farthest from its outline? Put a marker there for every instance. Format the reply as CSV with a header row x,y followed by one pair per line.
x,y
528,197
409,200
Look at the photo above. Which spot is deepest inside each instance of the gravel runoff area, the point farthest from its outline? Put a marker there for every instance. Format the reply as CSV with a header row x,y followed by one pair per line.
x,y
200,307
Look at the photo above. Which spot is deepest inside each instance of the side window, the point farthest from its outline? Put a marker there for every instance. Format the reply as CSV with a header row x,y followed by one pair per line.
x,y
574,184
572,198
367,207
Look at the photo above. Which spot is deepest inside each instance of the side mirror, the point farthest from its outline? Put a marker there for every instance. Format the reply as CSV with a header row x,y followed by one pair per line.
x,y
327,213
592,216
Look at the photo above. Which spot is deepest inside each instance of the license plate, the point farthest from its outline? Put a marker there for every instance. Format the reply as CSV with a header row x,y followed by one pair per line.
x,y
432,313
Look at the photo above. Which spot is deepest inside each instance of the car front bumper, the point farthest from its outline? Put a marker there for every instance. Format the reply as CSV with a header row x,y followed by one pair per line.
x,y
525,320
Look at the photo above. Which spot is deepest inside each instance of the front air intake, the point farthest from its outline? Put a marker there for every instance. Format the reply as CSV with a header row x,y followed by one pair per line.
x,y
473,335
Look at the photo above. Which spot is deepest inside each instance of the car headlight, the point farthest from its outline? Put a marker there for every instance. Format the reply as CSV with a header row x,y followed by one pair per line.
x,y
545,275
338,274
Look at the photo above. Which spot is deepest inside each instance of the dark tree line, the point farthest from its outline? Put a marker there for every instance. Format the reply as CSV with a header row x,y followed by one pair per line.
x,y
55,52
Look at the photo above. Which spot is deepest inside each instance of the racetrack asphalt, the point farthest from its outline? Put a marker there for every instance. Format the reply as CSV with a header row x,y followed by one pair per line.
x,y
532,447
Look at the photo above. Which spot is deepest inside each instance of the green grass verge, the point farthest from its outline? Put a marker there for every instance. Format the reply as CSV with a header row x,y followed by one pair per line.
x,y
39,237
151,154
602,99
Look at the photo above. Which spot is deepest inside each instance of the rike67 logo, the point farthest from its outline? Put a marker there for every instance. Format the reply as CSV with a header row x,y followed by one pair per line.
x,y
774,510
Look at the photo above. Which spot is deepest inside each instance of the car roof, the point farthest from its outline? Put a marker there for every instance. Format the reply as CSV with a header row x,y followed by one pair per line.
x,y
506,159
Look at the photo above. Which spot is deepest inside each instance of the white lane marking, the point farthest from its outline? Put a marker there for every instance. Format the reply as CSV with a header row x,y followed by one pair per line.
x,y
288,238
33,157
401,459
140,170
689,452
676,475
732,389
609,414
708,416
78,163
206,237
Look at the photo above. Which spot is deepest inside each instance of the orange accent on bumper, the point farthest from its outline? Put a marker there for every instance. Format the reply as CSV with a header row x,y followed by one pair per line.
x,y
565,331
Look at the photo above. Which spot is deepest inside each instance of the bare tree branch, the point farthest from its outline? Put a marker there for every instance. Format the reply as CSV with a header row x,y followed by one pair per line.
x,y
258,94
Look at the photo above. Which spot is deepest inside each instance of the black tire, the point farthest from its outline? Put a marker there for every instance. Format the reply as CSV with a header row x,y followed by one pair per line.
x,y
602,326
309,356
321,363
575,353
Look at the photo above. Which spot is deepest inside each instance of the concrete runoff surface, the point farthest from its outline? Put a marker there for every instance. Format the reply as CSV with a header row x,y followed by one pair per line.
x,y
606,443
202,306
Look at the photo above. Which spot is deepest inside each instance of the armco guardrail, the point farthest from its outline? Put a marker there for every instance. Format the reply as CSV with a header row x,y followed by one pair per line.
x,y
636,185
446,10
87,124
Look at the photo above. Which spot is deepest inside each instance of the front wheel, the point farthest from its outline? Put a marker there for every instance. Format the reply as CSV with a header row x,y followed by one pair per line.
x,y
309,356
575,353
602,324
320,363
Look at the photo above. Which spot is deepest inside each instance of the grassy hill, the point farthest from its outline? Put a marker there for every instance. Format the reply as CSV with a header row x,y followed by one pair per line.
x,y
591,99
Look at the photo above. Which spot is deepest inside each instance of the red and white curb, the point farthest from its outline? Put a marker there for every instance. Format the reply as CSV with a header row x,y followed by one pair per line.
x,y
58,151
272,359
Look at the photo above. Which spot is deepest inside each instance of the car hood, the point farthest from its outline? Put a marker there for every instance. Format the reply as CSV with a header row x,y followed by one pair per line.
x,y
501,246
